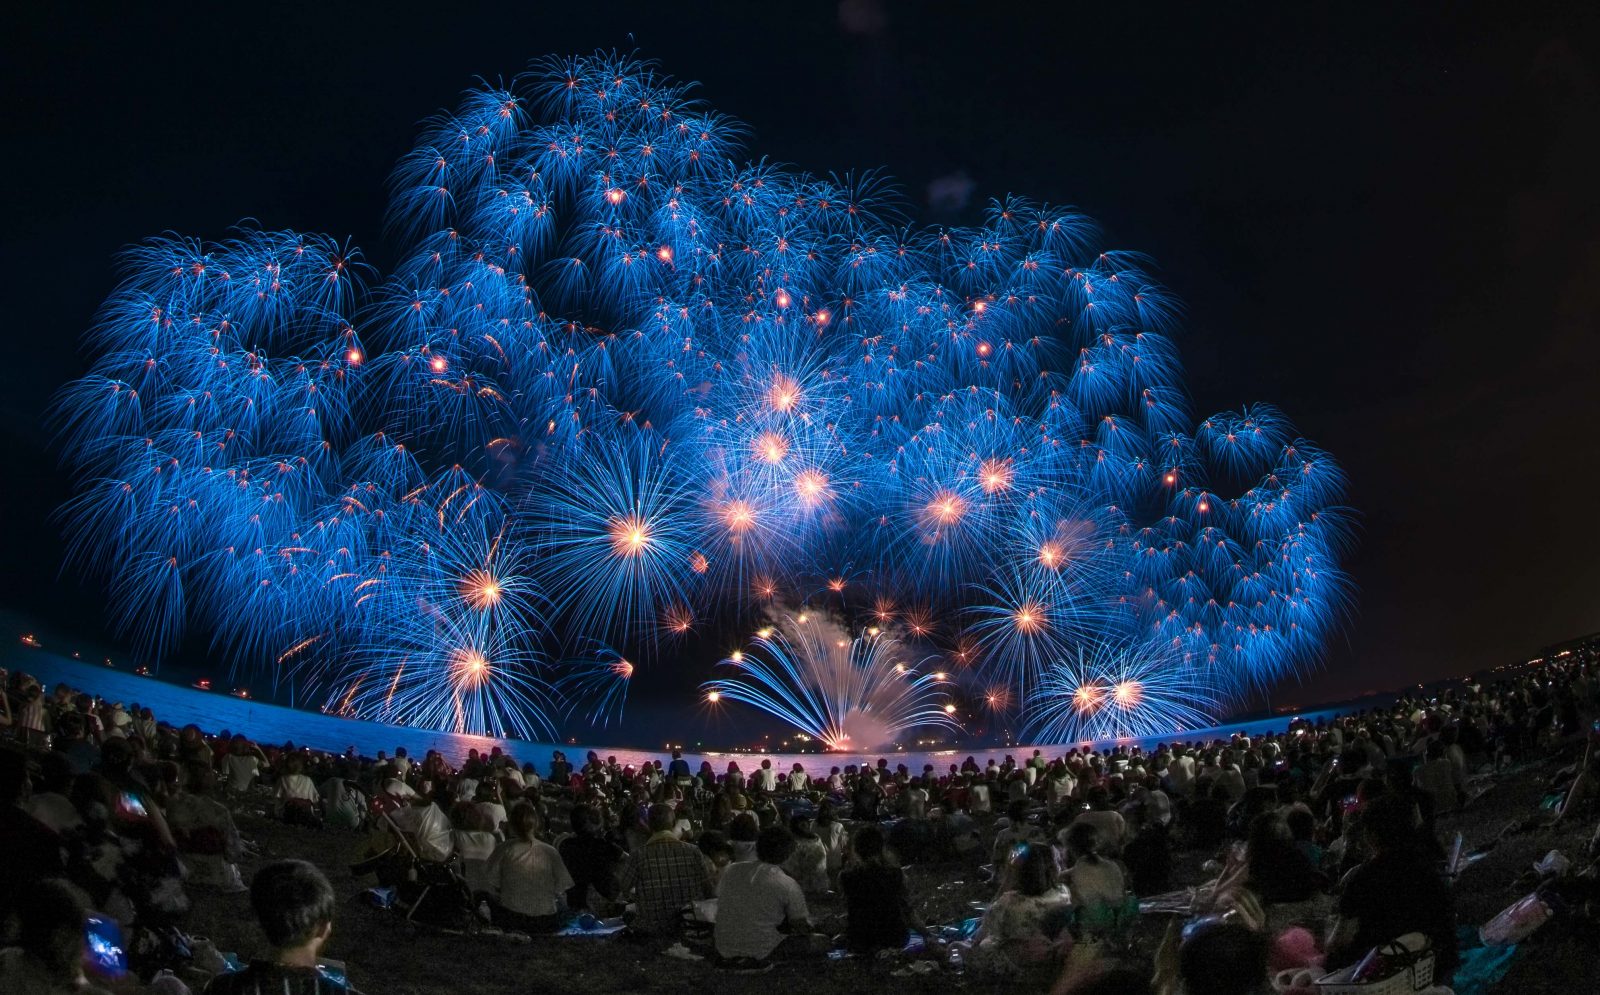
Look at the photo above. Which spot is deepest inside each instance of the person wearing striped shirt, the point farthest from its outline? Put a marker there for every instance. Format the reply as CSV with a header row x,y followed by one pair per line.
x,y
294,905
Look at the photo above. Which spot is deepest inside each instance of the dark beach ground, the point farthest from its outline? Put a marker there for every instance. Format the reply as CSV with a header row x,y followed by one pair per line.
x,y
387,955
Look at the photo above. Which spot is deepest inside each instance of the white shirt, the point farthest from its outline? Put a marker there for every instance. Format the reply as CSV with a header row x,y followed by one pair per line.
x,y
242,769
298,787
767,778
398,788
528,877
496,813
754,898
808,866
53,810
475,849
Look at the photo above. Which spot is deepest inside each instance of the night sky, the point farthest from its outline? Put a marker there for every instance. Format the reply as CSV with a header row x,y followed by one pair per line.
x,y
1384,222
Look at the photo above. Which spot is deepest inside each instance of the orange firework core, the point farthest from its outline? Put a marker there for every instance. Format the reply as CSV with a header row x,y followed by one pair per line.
x,y
771,447
739,516
1128,694
946,508
995,474
1029,617
1050,555
469,667
784,393
630,535
481,589
811,485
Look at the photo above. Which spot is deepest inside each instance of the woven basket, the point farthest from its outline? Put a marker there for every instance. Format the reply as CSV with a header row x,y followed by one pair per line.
x,y
1415,973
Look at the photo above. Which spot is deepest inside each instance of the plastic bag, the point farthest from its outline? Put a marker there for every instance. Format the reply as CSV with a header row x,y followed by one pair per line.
x,y
1516,922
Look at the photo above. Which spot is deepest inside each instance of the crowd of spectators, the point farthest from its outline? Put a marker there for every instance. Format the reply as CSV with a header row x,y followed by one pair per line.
x,y
104,807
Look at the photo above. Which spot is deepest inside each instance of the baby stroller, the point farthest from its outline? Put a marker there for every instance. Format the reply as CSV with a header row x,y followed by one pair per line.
x,y
415,865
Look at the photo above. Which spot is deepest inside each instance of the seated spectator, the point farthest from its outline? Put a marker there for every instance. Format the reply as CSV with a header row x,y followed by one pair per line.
x,y
978,798
1303,829
1208,818
1017,830
72,741
1437,777
207,840
343,804
867,797
1023,927
761,912
832,834
808,865
488,800
527,880
1275,869
296,798
742,833
51,804
242,765
294,905
1224,958
593,860
1397,890
49,957
473,845
1098,888
878,912
665,875
718,850
1110,823
1148,857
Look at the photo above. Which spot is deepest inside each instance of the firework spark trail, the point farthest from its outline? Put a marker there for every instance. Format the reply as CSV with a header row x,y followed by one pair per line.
x,y
626,382
847,692
1106,692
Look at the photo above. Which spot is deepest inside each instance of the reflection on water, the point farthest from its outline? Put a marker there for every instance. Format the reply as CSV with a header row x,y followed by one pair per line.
x,y
269,723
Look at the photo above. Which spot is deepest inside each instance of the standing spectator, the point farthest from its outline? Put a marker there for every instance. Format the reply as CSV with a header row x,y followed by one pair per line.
x,y
678,771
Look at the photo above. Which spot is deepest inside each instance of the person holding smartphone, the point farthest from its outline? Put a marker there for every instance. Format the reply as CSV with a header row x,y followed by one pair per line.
x,y
53,923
